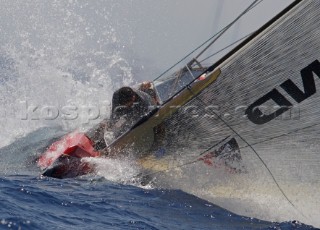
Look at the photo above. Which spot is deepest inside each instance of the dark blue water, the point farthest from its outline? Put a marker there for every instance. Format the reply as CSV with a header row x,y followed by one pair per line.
x,y
29,201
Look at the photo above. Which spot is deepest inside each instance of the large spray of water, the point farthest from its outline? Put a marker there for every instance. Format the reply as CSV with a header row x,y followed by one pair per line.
x,y
60,61
56,67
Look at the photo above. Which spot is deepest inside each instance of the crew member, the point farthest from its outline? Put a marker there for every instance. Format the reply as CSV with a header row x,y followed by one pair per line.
x,y
128,106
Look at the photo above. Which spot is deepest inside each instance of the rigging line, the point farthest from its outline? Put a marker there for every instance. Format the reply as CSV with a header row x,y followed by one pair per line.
x,y
282,135
189,162
252,6
215,145
256,3
256,153
219,51
182,165
227,28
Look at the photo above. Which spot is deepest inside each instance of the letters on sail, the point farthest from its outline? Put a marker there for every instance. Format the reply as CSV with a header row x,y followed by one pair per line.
x,y
256,116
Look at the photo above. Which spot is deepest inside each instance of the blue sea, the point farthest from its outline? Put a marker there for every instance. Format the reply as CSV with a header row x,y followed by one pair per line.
x,y
31,201
60,61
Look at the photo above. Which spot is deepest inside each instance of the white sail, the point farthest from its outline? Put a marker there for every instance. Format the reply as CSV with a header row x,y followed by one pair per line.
x,y
266,99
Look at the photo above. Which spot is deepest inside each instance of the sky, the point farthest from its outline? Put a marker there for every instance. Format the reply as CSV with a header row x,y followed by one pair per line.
x,y
164,31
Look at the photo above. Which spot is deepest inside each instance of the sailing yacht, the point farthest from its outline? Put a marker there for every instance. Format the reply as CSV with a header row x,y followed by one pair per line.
x,y
243,132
